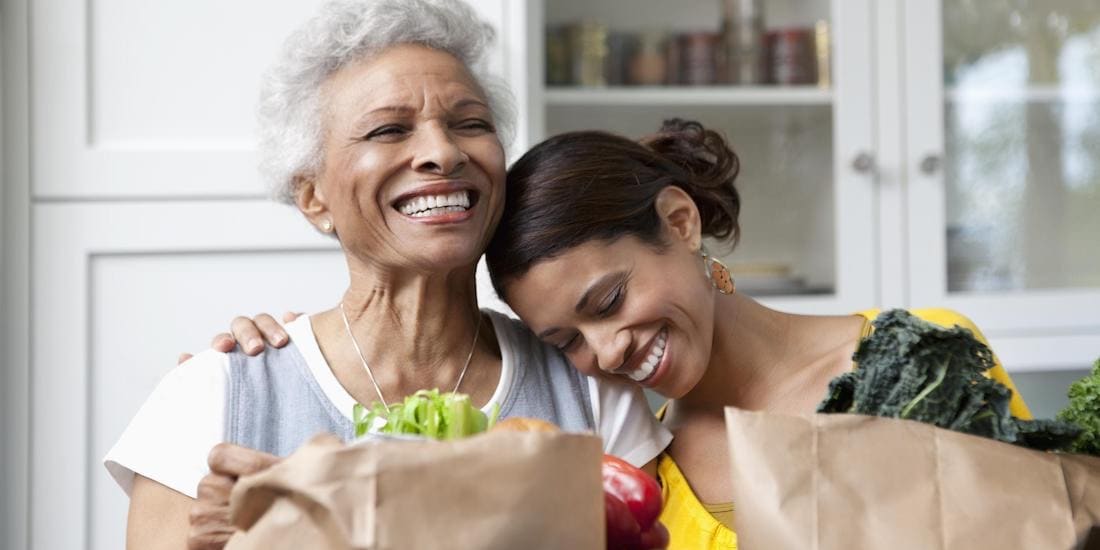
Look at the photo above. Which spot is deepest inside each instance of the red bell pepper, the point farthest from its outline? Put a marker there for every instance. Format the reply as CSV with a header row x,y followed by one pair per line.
x,y
632,503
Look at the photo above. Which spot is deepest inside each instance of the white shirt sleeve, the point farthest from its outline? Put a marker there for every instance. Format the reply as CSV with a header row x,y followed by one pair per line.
x,y
629,429
172,434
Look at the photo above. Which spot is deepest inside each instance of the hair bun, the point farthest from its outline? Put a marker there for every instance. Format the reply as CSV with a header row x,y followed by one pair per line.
x,y
709,169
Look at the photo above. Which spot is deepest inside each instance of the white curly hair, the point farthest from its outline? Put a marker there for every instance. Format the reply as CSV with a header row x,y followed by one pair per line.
x,y
346,31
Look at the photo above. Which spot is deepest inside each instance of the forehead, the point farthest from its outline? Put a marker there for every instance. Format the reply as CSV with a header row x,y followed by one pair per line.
x,y
403,75
551,288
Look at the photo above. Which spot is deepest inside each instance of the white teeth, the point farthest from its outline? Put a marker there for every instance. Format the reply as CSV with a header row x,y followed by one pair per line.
x,y
656,353
436,204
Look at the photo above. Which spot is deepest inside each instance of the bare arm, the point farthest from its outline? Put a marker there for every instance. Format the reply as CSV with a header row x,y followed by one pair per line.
x,y
158,516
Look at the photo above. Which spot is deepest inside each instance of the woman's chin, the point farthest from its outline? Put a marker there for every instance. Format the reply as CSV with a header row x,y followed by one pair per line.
x,y
440,259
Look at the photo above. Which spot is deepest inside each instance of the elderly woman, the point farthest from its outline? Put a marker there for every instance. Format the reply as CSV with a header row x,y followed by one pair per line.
x,y
379,126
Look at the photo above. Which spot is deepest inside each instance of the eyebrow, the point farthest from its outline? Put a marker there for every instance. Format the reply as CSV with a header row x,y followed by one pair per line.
x,y
470,102
600,285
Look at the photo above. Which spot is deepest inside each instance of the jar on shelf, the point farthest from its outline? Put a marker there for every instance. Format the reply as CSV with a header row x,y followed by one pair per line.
x,y
700,58
791,57
621,48
649,65
588,46
743,42
559,70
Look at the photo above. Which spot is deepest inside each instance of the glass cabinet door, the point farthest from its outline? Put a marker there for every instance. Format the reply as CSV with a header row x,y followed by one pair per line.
x,y
1004,127
786,81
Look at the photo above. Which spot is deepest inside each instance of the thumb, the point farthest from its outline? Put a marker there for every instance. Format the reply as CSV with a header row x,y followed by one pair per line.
x,y
183,358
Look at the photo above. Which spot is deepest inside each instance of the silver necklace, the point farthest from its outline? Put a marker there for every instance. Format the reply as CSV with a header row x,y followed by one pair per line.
x,y
461,375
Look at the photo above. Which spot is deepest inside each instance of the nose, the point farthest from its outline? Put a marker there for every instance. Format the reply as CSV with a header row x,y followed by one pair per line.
x,y
437,153
611,347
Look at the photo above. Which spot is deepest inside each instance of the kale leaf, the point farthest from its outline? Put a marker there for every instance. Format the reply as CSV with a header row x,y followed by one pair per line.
x,y
1084,410
912,369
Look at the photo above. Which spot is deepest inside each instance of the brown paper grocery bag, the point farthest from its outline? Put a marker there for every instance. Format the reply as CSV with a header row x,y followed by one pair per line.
x,y
836,481
498,490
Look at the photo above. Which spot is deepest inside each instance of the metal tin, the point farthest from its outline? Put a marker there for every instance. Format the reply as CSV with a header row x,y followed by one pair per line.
x,y
791,58
743,42
700,58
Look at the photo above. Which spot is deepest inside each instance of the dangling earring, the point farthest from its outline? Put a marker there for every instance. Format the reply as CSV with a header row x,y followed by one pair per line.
x,y
326,226
718,273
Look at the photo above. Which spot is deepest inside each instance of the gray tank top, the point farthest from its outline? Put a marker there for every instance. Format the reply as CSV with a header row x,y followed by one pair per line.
x,y
275,404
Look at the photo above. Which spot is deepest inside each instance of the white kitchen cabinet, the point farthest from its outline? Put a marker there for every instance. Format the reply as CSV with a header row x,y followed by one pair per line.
x,y
918,176
135,226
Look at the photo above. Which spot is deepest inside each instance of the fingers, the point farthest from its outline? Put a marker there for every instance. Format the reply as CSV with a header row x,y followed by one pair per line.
x,y
271,329
291,315
183,358
247,334
223,342
210,527
209,516
236,461
215,488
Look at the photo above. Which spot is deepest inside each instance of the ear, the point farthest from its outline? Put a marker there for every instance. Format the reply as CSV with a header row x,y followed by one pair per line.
x,y
310,199
680,217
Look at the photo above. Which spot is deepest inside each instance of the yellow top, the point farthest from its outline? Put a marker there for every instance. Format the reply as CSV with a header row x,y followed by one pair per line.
x,y
696,526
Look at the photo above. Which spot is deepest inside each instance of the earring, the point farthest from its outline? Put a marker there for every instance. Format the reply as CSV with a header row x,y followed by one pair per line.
x,y
326,226
718,274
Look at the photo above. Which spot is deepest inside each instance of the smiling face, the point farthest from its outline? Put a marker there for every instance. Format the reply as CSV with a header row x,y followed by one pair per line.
x,y
413,171
627,308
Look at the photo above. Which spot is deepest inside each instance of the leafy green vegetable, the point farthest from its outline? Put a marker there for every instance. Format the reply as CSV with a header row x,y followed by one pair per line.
x,y
428,413
1084,410
910,368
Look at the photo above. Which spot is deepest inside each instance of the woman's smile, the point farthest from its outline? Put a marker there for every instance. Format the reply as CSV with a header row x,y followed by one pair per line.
x,y
643,365
439,203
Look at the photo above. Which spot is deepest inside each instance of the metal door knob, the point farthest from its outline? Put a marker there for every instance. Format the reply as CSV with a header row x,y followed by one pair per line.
x,y
864,163
930,164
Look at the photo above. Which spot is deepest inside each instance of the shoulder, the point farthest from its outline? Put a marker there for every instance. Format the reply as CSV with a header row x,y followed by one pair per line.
x,y
200,374
169,437
520,340
943,317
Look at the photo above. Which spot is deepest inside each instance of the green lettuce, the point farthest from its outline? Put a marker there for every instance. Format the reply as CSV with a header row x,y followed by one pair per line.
x,y
1084,411
427,413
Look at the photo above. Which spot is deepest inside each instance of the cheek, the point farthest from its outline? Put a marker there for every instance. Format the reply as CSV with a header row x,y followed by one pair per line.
x,y
583,362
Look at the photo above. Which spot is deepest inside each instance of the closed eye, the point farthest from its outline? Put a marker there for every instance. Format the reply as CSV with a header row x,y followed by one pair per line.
x,y
570,344
389,131
477,125
615,301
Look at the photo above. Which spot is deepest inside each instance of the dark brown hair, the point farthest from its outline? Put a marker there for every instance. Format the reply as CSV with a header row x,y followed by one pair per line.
x,y
582,186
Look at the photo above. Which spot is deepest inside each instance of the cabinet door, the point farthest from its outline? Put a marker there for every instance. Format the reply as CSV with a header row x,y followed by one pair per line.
x,y
149,227
801,123
139,99
1004,171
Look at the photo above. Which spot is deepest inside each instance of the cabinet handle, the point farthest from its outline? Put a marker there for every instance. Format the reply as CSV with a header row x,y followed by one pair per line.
x,y
864,163
930,164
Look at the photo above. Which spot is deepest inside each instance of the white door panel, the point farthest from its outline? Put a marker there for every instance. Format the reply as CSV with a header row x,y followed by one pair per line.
x,y
157,99
144,308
